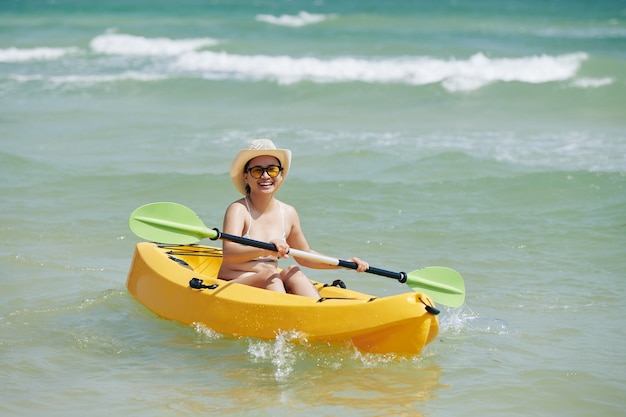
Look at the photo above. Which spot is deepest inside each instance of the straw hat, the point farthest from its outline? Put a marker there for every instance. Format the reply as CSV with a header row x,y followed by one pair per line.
x,y
257,147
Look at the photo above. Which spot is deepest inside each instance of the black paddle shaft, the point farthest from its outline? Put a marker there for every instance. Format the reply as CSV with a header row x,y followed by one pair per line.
x,y
400,276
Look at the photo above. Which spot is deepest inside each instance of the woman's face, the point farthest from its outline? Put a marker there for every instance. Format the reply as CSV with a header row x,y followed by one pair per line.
x,y
266,183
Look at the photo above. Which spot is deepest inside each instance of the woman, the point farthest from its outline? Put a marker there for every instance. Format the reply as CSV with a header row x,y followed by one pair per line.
x,y
258,173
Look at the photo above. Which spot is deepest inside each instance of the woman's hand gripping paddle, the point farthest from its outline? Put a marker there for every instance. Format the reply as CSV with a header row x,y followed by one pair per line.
x,y
174,223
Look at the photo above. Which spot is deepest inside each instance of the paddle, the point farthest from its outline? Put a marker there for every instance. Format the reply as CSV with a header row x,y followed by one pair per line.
x,y
176,224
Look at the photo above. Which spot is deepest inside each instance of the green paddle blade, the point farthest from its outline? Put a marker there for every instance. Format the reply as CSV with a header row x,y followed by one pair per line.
x,y
169,223
444,285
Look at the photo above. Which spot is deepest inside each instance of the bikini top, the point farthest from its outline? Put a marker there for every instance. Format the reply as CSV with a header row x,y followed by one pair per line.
x,y
280,207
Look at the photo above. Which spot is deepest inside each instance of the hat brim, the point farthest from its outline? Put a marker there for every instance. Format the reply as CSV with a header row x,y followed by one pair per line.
x,y
239,163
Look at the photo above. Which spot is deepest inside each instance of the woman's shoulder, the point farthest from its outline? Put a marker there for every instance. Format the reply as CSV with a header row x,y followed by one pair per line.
x,y
236,206
286,208
289,212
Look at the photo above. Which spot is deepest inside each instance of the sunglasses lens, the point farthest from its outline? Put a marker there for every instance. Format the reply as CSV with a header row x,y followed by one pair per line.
x,y
256,172
273,170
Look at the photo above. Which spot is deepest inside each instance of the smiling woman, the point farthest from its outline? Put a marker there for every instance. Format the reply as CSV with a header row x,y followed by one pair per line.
x,y
258,172
259,147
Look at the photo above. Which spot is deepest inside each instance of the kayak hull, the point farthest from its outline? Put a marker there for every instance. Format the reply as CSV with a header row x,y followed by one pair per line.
x,y
160,277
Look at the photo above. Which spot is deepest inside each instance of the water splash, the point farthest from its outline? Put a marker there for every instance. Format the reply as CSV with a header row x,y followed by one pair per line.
x,y
206,332
464,320
290,353
281,352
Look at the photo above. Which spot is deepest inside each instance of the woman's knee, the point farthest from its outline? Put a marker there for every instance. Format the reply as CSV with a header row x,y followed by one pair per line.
x,y
270,276
291,270
296,282
292,275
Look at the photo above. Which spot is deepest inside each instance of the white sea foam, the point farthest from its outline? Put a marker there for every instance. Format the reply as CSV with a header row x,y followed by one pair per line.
x,y
184,57
89,79
592,82
21,78
455,75
34,54
107,78
301,19
122,44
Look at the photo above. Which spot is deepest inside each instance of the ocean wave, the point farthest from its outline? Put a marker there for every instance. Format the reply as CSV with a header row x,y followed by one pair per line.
x,y
301,19
83,80
454,75
563,149
122,44
34,54
583,33
592,82
107,78
167,58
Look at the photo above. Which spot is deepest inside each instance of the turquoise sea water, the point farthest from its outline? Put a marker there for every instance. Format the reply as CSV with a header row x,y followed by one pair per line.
x,y
486,136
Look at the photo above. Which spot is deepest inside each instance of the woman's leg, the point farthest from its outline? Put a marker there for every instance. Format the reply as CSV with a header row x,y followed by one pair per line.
x,y
266,276
297,283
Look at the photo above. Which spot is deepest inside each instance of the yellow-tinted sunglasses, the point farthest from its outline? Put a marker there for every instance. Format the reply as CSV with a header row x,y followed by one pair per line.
x,y
272,171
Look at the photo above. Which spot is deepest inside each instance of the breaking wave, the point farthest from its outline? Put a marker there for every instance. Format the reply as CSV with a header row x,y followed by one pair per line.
x,y
454,75
121,44
34,54
164,58
301,19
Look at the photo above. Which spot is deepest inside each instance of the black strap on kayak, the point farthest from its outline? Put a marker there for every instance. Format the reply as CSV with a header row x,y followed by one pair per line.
x,y
336,283
198,284
179,261
344,298
430,308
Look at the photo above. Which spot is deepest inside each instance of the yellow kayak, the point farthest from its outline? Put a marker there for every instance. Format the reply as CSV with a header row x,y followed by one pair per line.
x,y
179,282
